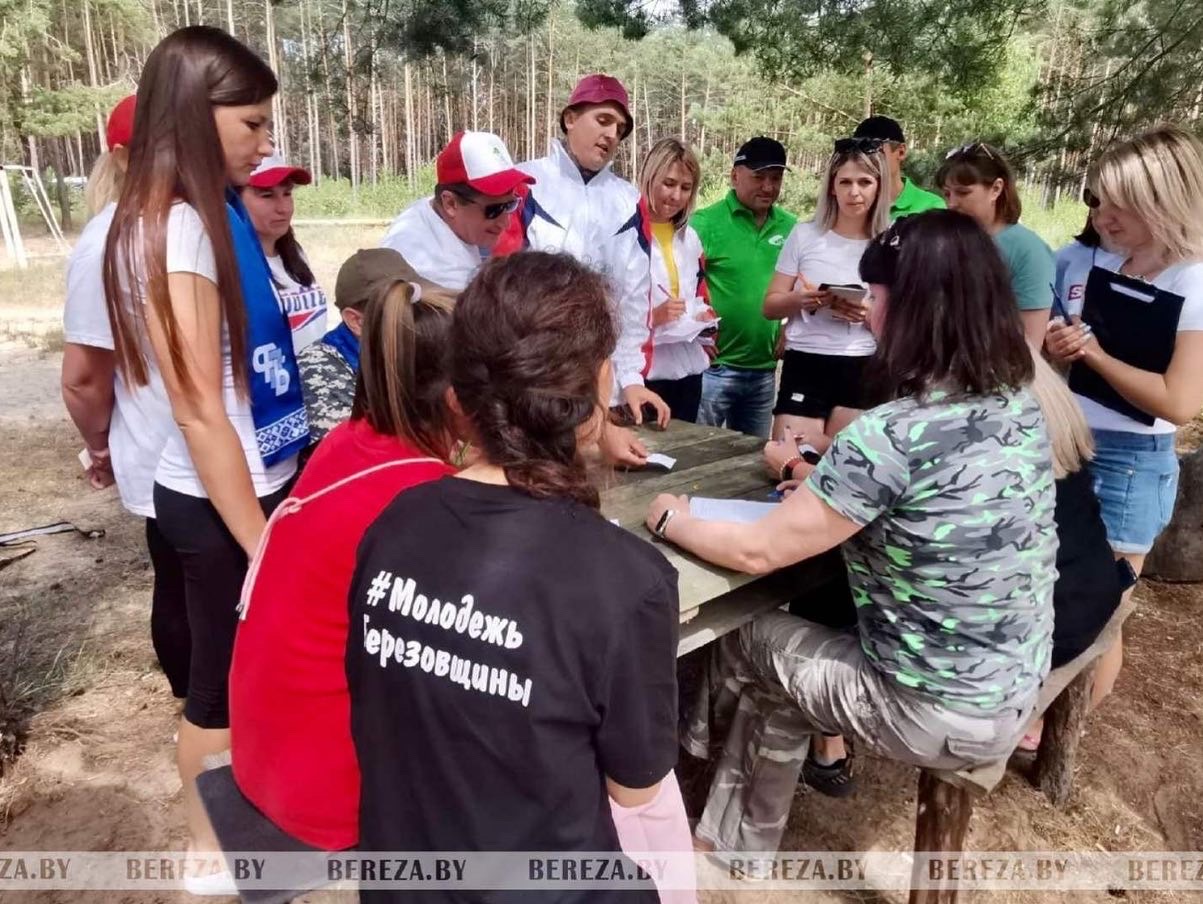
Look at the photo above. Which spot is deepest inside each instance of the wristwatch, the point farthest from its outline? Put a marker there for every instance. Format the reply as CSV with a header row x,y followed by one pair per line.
x,y
662,524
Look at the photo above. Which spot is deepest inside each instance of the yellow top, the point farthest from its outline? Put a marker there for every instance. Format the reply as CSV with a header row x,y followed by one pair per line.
x,y
663,233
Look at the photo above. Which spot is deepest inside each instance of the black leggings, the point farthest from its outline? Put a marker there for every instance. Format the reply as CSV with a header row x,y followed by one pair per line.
x,y
214,566
169,632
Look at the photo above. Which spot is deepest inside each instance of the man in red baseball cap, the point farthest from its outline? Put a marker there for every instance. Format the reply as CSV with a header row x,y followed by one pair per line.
x,y
579,207
445,238
580,202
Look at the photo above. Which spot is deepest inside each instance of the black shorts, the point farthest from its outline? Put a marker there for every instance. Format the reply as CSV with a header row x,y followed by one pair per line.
x,y
812,385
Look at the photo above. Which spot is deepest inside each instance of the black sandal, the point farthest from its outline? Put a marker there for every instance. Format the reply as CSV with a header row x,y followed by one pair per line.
x,y
835,780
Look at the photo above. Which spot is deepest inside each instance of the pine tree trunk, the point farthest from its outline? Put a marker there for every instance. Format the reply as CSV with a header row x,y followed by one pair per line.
x,y
682,97
329,82
637,112
410,148
549,99
352,132
312,127
90,49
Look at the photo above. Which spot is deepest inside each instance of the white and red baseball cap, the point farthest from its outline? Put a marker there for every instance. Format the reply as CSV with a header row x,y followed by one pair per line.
x,y
273,170
480,161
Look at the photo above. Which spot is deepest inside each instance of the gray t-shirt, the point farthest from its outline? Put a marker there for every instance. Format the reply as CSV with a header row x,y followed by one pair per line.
x,y
953,573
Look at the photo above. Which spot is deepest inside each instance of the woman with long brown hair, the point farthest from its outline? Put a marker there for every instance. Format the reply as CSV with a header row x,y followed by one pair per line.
x,y
512,660
189,293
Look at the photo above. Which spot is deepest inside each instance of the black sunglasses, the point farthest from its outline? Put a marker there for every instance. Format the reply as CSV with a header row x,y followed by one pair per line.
x,y
491,211
864,145
972,149
1090,199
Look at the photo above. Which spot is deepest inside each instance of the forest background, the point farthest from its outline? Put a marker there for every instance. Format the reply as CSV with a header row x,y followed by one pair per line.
x,y
371,89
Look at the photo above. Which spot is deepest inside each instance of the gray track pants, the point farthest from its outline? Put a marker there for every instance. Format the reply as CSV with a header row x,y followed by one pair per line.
x,y
780,679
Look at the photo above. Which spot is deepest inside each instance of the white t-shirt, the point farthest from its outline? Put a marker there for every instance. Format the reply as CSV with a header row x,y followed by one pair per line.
x,y
190,251
1185,279
304,306
816,257
141,414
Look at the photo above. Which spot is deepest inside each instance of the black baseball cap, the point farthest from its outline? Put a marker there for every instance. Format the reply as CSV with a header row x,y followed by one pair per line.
x,y
761,153
880,127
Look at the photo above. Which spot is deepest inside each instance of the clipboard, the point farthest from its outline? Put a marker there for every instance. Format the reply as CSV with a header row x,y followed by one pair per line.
x,y
1133,321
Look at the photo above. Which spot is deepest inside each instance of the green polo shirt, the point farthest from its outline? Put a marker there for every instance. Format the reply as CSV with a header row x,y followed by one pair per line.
x,y
913,199
740,261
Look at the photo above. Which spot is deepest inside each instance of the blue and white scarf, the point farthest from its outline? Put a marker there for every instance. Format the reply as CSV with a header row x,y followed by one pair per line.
x,y
346,343
277,403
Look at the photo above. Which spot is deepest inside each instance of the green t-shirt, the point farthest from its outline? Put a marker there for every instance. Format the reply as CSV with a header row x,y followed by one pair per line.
x,y
740,261
913,199
952,573
1032,264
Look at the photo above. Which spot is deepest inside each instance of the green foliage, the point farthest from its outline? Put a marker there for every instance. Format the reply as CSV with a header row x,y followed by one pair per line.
x,y
335,199
957,44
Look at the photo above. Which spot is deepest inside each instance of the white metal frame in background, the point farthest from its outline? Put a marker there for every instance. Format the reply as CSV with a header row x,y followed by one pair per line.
x,y
9,224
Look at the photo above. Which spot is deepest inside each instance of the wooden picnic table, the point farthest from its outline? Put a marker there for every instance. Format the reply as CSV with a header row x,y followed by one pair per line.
x,y
722,464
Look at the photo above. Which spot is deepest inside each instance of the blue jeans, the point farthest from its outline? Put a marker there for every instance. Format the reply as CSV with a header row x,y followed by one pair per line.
x,y
1136,481
738,399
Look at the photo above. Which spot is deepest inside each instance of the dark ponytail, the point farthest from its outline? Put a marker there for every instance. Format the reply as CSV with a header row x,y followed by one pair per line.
x,y
528,337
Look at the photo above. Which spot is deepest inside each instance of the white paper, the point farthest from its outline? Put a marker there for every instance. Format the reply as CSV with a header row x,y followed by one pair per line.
x,y
664,461
85,459
687,327
739,510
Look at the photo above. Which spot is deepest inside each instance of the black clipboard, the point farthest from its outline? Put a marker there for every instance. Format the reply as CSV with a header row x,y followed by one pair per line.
x,y
1133,321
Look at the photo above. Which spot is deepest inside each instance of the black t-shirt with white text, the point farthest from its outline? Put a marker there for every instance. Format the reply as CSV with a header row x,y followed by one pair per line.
x,y
505,654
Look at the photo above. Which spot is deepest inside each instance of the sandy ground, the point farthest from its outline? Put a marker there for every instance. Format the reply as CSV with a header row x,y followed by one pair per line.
x,y
86,720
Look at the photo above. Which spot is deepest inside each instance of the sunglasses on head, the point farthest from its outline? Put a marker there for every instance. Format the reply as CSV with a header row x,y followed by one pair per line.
x,y
491,211
971,149
864,145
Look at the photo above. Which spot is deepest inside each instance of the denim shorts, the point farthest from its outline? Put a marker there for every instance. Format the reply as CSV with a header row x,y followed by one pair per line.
x,y
1136,481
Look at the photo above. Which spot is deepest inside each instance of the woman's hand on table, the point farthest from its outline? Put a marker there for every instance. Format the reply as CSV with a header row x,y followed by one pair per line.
x,y
620,446
661,504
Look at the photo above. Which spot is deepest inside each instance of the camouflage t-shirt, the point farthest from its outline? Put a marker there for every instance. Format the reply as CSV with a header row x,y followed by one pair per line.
x,y
328,383
952,574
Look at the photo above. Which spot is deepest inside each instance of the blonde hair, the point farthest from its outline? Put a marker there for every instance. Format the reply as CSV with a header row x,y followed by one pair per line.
x,y
827,210
1159,175
1068,435
104,183
663,154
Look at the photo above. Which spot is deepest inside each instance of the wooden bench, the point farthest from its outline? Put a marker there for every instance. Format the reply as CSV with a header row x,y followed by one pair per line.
x,y
944,803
